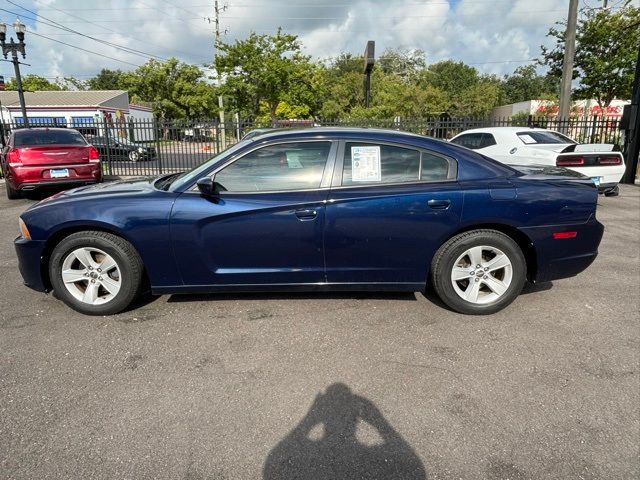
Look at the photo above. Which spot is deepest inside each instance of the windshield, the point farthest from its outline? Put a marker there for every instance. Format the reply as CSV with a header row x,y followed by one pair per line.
x,y
543,137
187,177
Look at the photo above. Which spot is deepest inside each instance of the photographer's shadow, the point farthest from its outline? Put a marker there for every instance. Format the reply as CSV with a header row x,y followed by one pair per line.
x,y
329,443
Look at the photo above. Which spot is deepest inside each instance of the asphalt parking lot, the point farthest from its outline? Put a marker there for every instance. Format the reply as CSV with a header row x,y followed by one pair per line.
x,y
328,386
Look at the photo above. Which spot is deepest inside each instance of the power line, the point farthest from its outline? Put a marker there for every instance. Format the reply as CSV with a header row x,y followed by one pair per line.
x,y
108,30
83,49
55,24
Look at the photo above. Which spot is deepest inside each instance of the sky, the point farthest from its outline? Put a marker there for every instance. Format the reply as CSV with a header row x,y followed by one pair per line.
x,y
495,36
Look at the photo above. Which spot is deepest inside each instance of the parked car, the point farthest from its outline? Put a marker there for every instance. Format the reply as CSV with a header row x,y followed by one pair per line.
x,y
316,209
538,146
37,158
122,149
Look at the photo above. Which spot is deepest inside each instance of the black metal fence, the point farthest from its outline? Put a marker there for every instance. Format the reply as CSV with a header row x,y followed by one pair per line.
x,y
151,147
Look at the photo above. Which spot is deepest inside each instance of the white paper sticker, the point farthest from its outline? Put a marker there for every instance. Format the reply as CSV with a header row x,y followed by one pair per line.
x,y
527,138
365,164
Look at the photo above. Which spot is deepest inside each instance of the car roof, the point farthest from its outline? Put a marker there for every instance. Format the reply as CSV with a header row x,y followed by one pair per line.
x,y
523,128
331,132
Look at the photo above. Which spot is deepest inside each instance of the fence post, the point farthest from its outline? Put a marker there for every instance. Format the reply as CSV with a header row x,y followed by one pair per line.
x,y
157,142
594,126
108,147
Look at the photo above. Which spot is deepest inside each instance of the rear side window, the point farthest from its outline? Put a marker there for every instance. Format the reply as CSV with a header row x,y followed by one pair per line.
x,y
27,138
370,163
548,137
475,141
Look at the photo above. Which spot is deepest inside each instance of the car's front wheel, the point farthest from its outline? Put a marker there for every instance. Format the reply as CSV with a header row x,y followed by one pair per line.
x,y
96,273
479,272
134,156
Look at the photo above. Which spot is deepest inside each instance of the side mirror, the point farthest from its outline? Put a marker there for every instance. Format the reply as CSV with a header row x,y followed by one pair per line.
x,y
207,187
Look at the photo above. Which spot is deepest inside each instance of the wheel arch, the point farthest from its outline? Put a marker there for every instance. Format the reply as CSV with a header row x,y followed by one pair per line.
x,y
521,239
56,237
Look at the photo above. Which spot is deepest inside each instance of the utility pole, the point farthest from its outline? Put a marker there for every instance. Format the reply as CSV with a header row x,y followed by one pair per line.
x,y
567,64
633,151
223,142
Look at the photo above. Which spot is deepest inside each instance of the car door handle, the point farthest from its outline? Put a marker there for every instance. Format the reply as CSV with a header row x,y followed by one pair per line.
x,y
306,213
439,204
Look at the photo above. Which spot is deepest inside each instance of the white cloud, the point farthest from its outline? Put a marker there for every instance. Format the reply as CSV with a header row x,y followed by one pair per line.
x,y
485,33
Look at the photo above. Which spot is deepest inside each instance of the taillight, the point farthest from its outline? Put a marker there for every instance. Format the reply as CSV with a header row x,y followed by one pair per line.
x,y
569,161
94,155
13,158
612,160
564,235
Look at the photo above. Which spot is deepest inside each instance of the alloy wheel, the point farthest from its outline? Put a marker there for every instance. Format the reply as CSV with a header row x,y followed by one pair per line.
x,y
482,274
91,275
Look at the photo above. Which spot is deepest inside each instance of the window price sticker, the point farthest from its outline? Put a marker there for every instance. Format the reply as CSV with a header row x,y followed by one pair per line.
x,y
365,164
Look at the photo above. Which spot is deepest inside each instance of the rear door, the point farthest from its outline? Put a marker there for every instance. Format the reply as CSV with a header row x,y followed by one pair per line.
x,y
389,209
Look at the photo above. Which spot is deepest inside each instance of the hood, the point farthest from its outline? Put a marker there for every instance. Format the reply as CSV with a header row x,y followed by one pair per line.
x,y
135,186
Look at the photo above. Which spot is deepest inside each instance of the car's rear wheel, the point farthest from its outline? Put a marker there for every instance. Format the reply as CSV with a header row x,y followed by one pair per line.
x,y
612,192
134,156
96,273
12,193
479,272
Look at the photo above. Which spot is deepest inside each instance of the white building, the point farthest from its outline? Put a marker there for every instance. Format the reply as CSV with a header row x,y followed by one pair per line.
x,y
548,108
91,112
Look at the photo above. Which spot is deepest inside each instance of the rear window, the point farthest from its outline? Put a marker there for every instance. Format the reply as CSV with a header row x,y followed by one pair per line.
x,y
533,137
27,138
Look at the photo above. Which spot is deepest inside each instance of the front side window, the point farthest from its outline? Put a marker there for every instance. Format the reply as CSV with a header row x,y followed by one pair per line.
x,y
290,166
369,163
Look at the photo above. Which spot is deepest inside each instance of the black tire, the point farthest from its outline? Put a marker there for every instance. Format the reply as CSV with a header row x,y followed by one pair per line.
x,y
614,192
126,257
443,263
12,193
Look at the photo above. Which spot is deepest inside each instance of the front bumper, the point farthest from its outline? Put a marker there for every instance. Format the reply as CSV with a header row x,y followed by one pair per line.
x,y
29,254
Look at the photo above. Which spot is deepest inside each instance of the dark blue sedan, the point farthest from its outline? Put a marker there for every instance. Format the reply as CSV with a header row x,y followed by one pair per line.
x,y
316,209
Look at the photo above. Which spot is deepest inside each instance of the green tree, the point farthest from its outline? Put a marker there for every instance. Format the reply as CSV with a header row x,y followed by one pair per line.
x,y
107,80
525,84
33,83
406,64
262,68
175,89
449,76
606,49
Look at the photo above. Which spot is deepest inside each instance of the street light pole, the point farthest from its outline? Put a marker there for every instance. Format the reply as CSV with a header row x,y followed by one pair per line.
x,y
15,48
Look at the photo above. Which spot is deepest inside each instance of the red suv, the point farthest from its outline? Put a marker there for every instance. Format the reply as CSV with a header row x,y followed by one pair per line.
x,y
35,158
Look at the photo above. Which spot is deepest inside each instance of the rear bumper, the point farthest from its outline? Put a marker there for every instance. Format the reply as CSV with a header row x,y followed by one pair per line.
x,y
29,187
26,178
563,258
606,174
29,254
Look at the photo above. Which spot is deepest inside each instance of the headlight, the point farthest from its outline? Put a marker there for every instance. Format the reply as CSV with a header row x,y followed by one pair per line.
x,y
141,150
24,231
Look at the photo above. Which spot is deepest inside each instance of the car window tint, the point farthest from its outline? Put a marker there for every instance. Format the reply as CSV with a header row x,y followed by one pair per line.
x,y
488,140
470,140
436,168
542,137
291,166
25,138
371,163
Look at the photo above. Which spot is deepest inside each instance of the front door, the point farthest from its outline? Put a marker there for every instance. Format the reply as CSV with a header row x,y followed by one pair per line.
x,y
266,226
390,209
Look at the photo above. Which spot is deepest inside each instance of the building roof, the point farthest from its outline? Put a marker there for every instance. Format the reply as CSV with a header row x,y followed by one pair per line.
x,y
91,98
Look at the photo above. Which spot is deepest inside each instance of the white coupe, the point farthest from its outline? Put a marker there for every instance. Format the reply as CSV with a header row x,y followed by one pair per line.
x,y
538,146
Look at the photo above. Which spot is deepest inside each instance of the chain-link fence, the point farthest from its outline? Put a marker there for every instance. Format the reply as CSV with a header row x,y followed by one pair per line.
x,y
151,147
